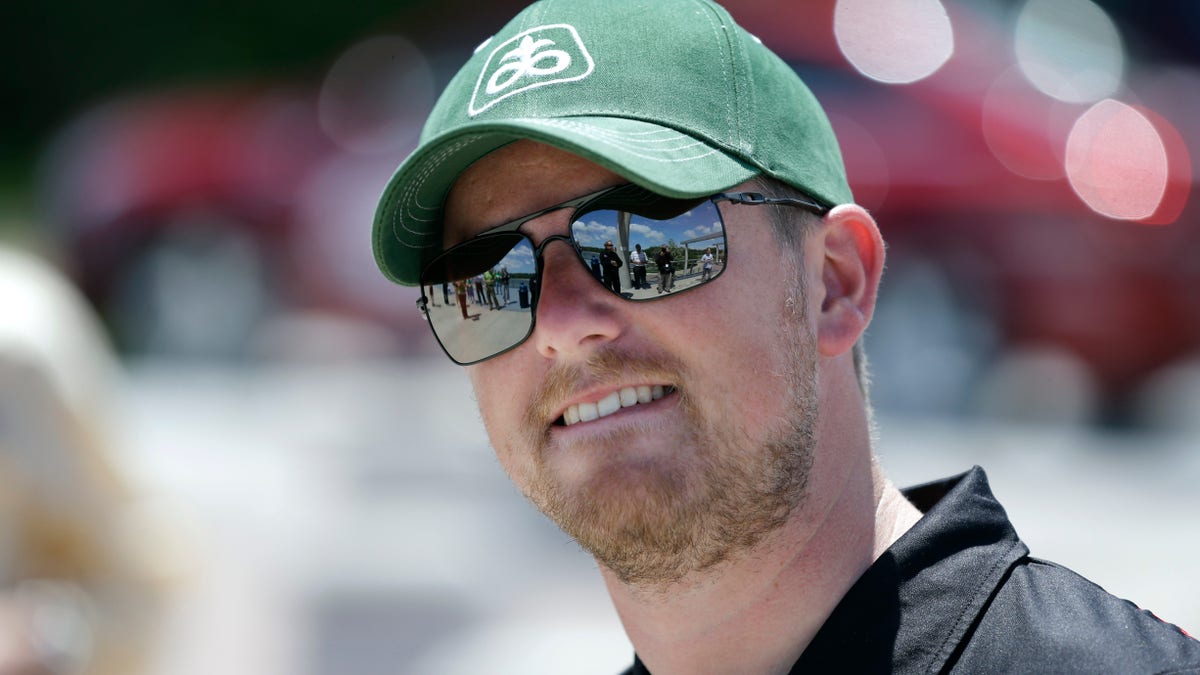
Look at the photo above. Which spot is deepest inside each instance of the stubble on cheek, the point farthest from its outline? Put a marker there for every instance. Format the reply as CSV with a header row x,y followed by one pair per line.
x,y
717,488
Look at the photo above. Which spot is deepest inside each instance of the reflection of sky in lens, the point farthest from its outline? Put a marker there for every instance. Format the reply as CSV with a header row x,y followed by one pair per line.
x,y
593,233
520,259
648,232
645,235
702,231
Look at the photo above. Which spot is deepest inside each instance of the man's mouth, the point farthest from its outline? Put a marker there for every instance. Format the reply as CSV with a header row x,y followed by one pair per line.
x,y
625,397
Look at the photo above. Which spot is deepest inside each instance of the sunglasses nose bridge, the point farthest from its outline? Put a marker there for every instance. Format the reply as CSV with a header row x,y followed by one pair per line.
x,y
541,253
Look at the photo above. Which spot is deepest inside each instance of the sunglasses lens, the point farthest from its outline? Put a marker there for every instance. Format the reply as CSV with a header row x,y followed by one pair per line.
x,y
690,232
486,285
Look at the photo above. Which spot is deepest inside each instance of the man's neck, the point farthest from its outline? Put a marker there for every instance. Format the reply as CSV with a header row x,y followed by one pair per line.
x,y
756,614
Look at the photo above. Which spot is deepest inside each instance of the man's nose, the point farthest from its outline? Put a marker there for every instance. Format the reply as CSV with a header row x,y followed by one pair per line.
x,y
575,314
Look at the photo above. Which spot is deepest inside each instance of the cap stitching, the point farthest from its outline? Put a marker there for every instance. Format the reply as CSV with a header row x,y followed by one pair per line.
x,y
619,135
585,130
409,198
721,34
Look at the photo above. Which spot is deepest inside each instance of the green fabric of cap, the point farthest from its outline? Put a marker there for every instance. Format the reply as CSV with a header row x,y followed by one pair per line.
x,y
671,94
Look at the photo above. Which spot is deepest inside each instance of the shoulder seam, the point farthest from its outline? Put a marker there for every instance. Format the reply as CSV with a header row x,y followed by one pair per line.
x,y
946,649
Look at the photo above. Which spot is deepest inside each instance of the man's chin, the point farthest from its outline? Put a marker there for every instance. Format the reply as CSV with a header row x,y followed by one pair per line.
x,y
607,466
639,521
654,521
614,490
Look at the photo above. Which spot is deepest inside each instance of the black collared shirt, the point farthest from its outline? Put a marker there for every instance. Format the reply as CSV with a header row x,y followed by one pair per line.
x,y
960,593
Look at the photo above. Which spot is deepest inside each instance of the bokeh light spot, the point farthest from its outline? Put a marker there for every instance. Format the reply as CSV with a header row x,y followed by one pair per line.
x,y
376,96
1026,131
1117,162
894,41
1179,172
1069,49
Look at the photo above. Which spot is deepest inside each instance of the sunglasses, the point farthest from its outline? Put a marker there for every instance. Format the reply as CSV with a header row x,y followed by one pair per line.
x,y
490,283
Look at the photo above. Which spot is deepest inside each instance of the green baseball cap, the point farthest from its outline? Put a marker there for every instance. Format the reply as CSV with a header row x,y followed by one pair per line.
x,y
671,94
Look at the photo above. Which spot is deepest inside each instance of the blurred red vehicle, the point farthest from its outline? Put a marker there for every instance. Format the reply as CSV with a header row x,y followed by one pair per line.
x,y
194,219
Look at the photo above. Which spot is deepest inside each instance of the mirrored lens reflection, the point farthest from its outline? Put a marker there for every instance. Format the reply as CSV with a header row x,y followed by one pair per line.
x,y
683,247
481,295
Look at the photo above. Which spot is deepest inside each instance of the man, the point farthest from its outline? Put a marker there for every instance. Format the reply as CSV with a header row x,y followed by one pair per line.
x,y
504,284
611,263
460,292
489,290
666,269
706,265
477,290
714,455
637,263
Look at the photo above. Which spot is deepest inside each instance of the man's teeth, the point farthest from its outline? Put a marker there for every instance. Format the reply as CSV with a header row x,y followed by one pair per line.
x,y
629,396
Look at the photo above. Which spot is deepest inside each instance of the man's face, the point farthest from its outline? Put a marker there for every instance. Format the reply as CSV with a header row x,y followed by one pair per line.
x,y
680,483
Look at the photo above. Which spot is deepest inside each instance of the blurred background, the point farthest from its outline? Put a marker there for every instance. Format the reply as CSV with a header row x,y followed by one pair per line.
x,y
228,445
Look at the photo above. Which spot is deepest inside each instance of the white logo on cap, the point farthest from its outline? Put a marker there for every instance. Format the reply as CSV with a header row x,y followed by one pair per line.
x,y
534,58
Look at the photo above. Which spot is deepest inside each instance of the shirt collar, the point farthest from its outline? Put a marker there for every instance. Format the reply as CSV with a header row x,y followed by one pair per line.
x,y
911,608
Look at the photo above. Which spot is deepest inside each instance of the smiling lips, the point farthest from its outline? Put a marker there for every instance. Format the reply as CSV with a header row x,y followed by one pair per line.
x,y
623,398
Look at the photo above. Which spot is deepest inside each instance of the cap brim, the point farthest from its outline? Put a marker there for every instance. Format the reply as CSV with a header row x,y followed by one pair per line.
x,y
408,223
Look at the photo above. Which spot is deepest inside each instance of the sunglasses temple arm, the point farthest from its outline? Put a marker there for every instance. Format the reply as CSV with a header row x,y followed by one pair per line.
x,y
757,198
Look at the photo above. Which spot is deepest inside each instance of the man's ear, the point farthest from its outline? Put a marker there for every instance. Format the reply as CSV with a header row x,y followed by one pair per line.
x,y
851,265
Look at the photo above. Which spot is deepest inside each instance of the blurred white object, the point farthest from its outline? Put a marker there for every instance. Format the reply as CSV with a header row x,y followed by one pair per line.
x,y
1170,400
74,598
1040,385
48,324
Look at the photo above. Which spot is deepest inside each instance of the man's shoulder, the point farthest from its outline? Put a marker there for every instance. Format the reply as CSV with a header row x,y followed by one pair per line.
x,y
1045,616
960,592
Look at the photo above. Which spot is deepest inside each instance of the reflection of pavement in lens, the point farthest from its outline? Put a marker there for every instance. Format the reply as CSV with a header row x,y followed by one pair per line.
x,y
463,336
505,320
679,283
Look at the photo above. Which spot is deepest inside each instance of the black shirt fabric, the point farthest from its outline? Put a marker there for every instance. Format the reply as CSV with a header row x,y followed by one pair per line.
x,y
959,593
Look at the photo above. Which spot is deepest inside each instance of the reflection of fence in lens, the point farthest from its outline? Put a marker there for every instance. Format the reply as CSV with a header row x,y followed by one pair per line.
x,y
693,275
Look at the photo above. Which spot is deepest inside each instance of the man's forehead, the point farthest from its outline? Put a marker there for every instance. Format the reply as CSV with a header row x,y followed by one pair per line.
x,y
516,180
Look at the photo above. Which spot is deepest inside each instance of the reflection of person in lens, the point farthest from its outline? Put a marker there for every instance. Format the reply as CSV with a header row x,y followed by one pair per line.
x,y
611,263
666,269
489,287
480,296
706,263
460,290
503,282
637,261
